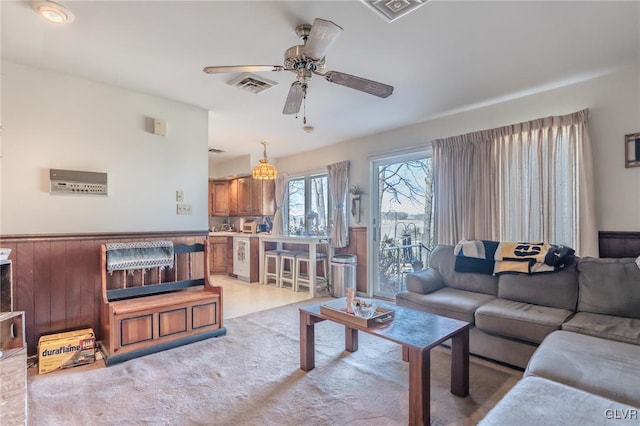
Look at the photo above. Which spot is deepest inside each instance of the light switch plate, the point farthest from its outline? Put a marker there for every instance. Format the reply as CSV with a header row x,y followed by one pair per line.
x,y
183,209
179,196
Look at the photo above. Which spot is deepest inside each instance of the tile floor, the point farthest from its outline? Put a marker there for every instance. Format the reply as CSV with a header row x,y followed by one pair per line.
x,y
241,298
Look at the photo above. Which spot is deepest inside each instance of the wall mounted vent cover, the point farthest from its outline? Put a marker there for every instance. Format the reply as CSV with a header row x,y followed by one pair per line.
x,y
252,83
393,9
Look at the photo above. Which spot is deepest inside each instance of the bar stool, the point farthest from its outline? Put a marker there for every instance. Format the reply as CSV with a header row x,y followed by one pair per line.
x,y
275,255
322,281
288,258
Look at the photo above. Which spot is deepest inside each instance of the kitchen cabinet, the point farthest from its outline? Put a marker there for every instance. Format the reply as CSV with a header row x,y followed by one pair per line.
x,y
219,198
243,196
219,248
262,202
211,193
232,199
268,198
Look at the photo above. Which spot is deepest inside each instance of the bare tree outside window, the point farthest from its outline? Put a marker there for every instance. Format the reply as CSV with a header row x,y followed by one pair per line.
x,y
308,205
406,206
296,206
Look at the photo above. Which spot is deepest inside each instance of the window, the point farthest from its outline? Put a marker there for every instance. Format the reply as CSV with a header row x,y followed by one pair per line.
x,y
525,182
308,205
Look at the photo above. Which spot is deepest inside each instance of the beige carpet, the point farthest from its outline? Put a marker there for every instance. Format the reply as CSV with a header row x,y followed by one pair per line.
x,y
251,377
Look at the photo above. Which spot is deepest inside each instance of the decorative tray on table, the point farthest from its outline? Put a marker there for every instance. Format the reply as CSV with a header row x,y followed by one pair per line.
x,y
337,309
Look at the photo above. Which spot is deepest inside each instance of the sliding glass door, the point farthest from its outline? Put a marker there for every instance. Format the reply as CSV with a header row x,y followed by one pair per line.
x,y
401,219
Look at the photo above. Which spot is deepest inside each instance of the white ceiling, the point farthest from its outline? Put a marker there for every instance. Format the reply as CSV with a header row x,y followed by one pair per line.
x,y
444,57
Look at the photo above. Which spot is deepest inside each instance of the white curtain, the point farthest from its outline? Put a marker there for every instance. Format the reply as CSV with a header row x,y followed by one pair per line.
x,y
464,199
531,181
281,192
338,178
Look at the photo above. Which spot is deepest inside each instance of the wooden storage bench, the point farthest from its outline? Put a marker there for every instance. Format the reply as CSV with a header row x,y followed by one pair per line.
x,y
153,300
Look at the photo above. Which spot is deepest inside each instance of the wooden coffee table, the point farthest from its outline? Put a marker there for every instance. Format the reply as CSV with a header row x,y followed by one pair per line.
x,y
417,332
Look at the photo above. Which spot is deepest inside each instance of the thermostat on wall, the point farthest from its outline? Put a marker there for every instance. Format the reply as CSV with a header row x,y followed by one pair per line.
x,y
77,182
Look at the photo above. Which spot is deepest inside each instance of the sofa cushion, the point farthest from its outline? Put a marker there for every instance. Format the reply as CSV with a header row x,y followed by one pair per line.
x,y
519,320
535,401
443,259
424,282
609,327
600,366
555,289
447,302
609,286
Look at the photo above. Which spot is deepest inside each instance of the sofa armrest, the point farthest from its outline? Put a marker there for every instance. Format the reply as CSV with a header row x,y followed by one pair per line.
x,y
425,281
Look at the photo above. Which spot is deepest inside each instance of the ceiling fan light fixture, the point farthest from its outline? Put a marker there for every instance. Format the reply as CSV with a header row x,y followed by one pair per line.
x,y
309,58
264,170
53,12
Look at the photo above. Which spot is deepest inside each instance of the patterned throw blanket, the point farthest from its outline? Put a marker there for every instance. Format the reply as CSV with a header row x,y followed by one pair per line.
x,y
139,255
495,258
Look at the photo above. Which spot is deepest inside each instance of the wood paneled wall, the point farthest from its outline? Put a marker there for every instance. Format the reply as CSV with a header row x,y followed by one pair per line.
x,y
56,279
619,244
358,246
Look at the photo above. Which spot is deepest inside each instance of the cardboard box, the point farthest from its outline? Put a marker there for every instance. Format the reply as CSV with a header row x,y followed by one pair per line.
x,y
65,350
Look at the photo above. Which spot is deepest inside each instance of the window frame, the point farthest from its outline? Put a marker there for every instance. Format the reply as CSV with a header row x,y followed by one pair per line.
x,y
307,177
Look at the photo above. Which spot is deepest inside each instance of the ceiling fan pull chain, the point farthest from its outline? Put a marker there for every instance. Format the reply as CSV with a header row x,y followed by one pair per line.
x,y
304,119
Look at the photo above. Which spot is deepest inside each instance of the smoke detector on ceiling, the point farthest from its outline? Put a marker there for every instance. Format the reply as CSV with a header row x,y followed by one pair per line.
x,y
252,83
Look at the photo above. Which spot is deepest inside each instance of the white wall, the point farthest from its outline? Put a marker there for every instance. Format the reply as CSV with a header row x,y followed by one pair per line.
x,y
614,102
220,167
58,121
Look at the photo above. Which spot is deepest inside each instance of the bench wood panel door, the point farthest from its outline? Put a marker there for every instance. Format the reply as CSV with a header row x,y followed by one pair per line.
x,y
135,330
204,315
172,322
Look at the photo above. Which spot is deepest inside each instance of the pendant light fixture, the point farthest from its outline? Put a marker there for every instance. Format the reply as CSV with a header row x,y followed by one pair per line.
x,y
264,170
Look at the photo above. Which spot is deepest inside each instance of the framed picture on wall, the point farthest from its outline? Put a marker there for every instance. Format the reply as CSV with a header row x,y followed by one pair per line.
x,y
632,150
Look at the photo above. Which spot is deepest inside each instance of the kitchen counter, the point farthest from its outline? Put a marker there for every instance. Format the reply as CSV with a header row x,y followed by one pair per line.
x,y
311,241
231,234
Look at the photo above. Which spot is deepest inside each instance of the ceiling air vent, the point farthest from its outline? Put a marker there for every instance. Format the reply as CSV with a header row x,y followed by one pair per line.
x,y
252,83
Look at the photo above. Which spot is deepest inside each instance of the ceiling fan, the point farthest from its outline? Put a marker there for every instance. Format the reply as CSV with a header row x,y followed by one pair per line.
x,y
308,59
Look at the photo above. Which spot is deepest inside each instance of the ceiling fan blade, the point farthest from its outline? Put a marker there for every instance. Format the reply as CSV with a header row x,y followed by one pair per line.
x,y
364,85
294,98
322,35
242,68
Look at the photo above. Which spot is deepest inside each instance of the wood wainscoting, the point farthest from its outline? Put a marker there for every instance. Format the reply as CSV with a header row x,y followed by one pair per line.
x,y
358,246
56,278
619,244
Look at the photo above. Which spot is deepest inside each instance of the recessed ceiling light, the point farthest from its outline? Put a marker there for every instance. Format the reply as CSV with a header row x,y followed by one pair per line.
x,y
53,12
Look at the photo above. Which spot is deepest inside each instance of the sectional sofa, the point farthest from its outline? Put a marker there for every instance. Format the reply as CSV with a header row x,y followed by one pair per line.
x,y
576,331
511,313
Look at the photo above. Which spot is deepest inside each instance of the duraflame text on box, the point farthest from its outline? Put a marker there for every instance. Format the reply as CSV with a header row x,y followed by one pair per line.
x,y
64,350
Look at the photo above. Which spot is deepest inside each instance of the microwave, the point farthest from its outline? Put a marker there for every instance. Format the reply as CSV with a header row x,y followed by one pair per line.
x,y
250,227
